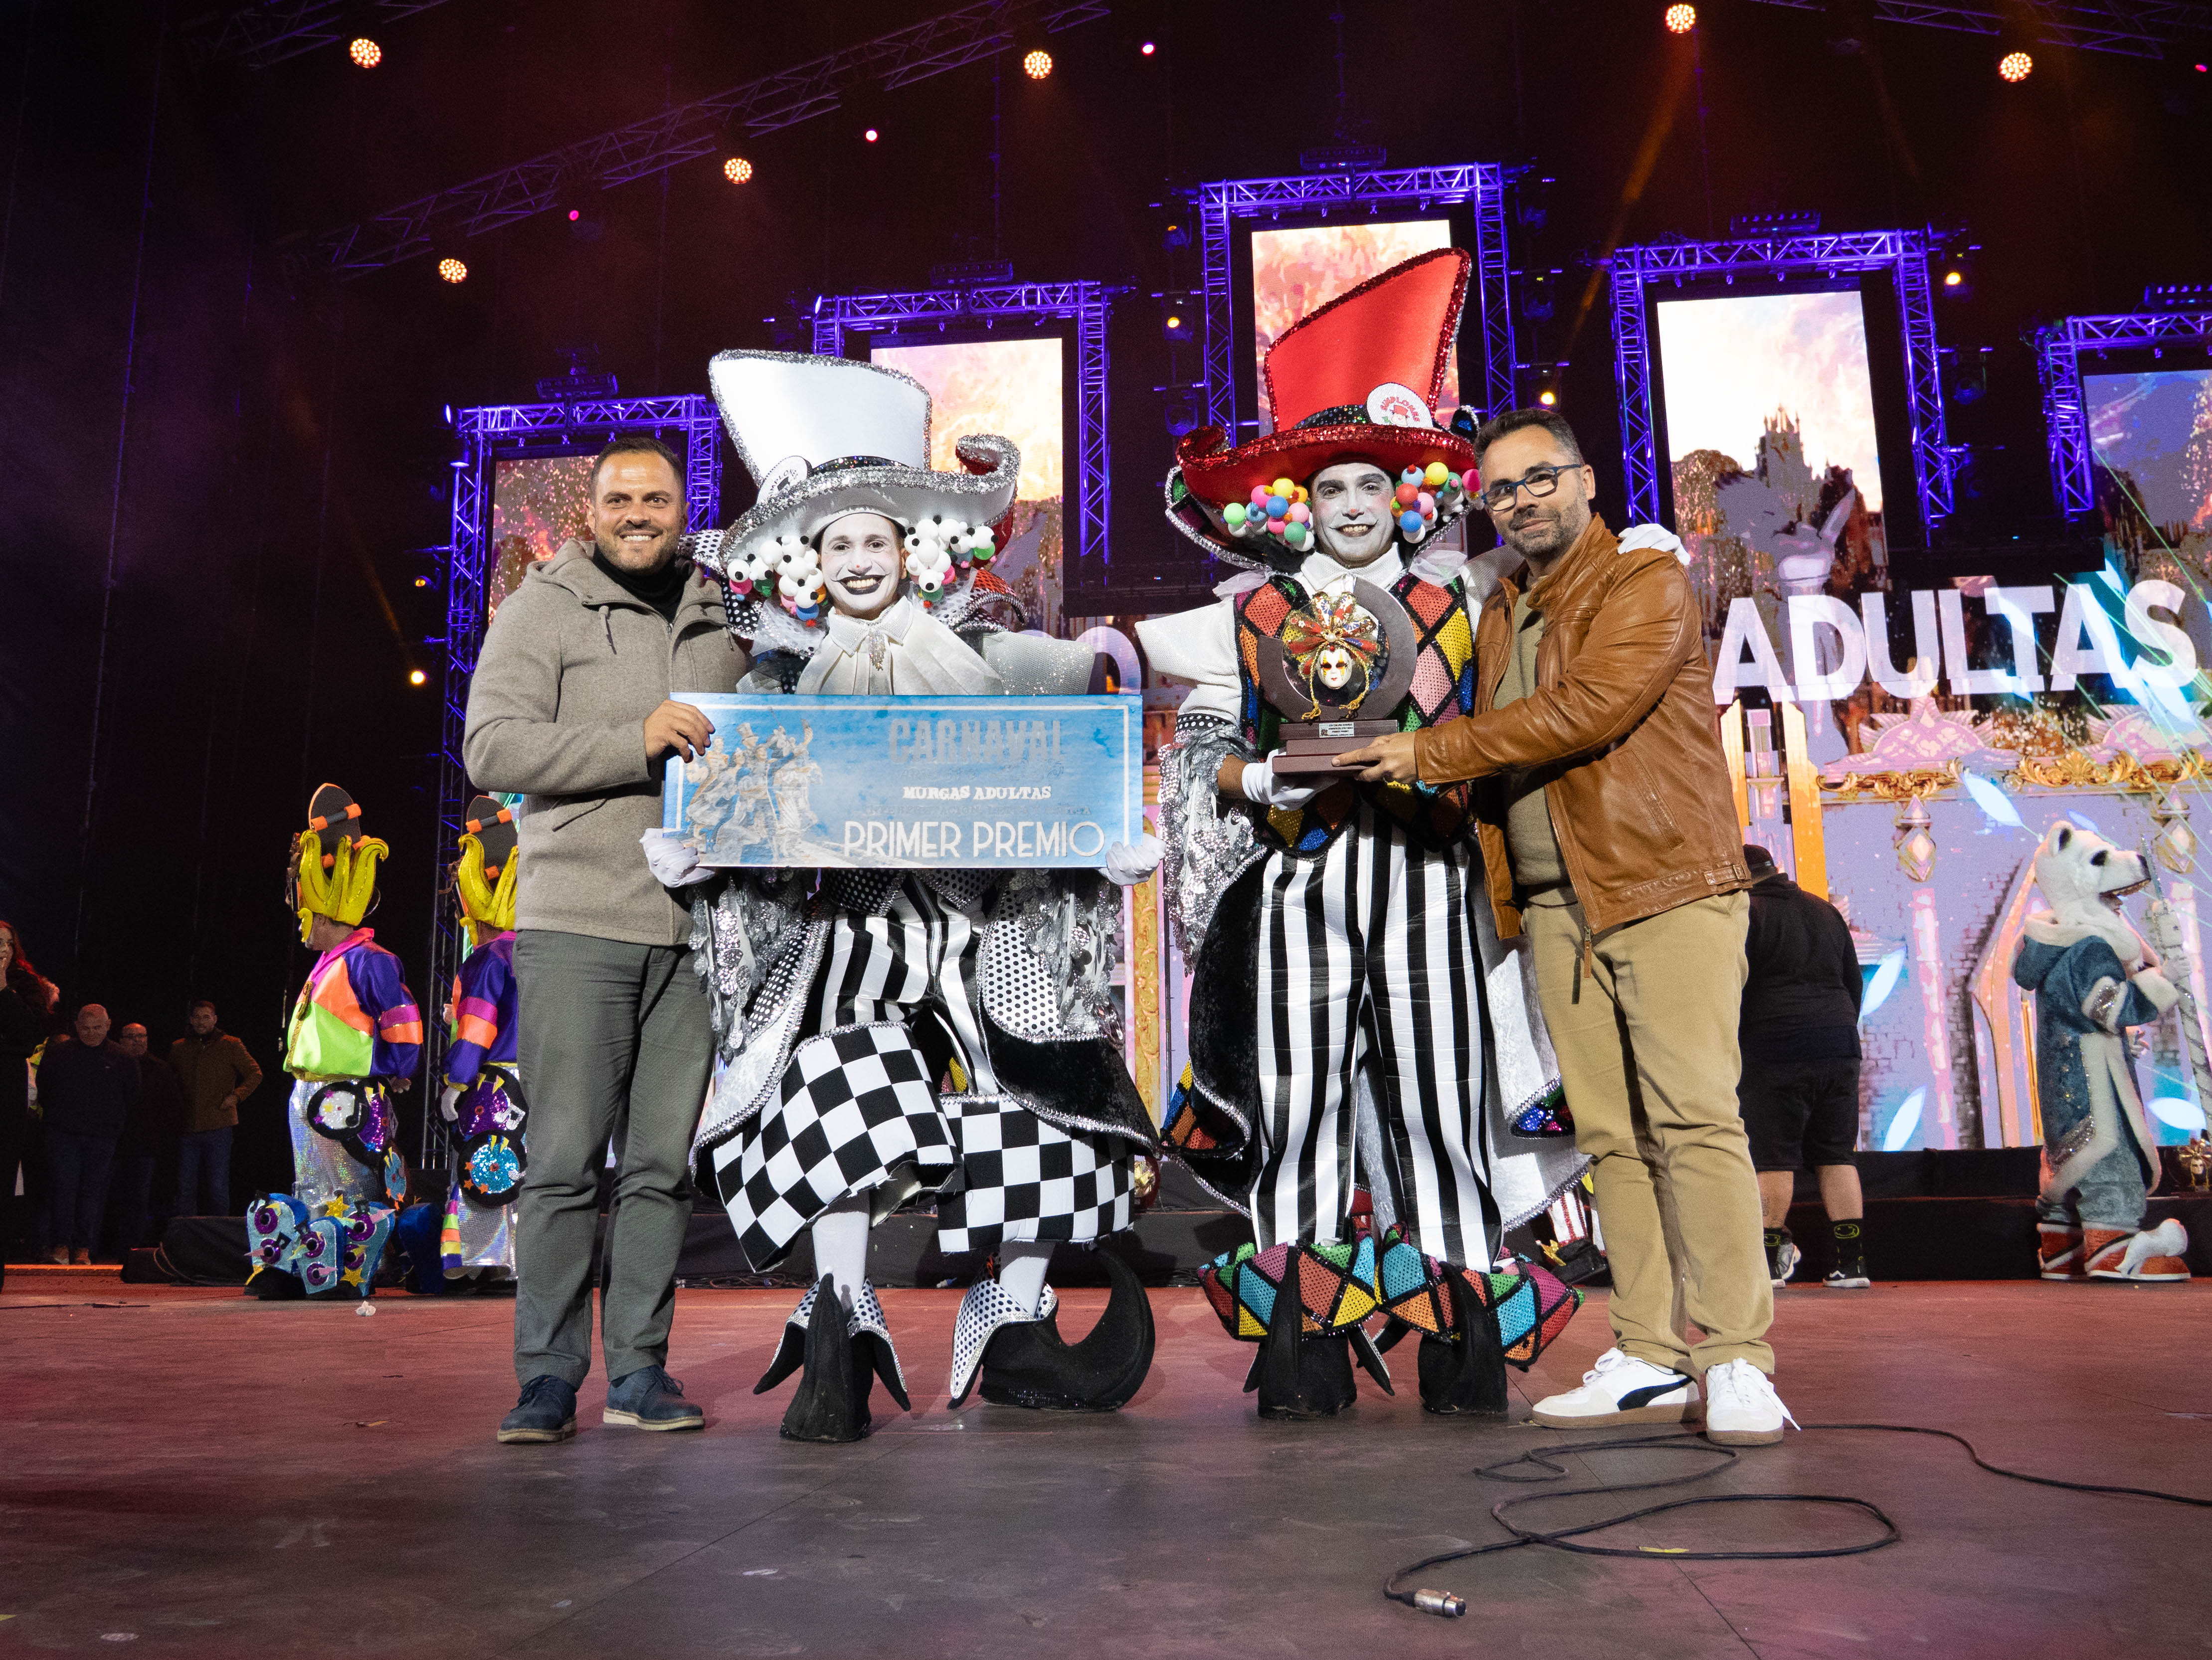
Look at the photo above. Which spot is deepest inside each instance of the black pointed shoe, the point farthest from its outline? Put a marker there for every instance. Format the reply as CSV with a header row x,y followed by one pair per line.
x,y
1025,1361
1299,1376
842,1354
1464,1375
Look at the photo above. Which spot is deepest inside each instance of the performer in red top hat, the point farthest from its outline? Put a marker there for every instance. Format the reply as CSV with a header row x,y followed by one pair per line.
x,y
1356,1027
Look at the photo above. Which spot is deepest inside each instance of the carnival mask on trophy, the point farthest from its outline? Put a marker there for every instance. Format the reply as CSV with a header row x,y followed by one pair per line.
x,y
1342,656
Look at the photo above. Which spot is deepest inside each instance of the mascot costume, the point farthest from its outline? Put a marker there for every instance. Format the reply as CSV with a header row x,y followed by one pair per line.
x,y
1358,1035
354,1036
483,1095
885,1034
2092,978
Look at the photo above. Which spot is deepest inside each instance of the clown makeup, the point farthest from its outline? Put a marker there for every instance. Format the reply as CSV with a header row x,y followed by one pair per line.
x,y
1354,513
861,554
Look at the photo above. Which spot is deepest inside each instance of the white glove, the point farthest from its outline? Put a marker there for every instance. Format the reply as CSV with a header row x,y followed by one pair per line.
x,y
1128,863
2162,932
449,1103
674,864
1260,786
1654,536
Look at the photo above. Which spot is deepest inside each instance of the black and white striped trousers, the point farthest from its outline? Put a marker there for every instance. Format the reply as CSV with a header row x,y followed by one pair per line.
x,y
1370,974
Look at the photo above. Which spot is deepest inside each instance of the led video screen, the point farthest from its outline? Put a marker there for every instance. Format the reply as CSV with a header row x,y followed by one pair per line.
x,y
2152,436
1294,271
1014,388
537,503
1770,422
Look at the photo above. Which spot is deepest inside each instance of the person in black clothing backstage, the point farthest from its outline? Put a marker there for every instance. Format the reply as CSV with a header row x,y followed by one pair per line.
x,y
1800,1091
26,1004
156,1121
86,1088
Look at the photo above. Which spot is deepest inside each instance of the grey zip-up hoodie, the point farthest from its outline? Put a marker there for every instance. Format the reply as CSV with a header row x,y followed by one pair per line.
x,y
571,667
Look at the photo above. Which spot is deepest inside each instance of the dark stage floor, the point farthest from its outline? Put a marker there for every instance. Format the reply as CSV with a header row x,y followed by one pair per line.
x,y
189,1473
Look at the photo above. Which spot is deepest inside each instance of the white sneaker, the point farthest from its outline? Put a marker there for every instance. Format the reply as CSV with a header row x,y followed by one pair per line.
x,y
1782,1262
1742,1408
1621,1389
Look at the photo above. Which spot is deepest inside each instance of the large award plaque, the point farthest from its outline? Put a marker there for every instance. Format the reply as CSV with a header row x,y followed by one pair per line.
x,y
1340,668
1005,783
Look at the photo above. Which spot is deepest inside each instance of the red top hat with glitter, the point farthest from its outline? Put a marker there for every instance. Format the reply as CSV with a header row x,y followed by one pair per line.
x,y
1356,379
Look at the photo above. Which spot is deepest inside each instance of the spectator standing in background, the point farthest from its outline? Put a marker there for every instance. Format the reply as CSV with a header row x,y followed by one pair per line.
x,y
26,1004
154,1121
86,1088
215,1074
1800,1093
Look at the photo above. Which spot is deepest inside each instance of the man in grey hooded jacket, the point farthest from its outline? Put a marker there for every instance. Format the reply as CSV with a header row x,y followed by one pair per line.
x,y
571,706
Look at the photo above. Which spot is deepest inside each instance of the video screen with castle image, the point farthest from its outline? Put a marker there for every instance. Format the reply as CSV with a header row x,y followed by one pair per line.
x,y
1296,270
1770,425
1014,388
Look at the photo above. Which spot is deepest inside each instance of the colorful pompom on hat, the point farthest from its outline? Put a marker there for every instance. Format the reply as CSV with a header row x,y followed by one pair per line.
x,y
1356,379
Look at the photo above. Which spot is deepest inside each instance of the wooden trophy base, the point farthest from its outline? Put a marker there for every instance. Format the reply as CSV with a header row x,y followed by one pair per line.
x,y
1310,747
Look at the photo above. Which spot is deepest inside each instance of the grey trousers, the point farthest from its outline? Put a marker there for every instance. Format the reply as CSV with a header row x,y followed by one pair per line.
x,y
614,1042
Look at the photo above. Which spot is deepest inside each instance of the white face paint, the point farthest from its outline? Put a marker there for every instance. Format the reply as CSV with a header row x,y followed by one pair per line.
x,y
862,555
1355,513
1333,667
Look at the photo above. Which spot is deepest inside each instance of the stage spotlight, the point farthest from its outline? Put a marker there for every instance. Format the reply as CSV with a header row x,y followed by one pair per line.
x,y
869,136
574,213
451,270
737,170
1148,49
1038,65
1548,397
421,582
366,52
2015,66
1682,19
417,677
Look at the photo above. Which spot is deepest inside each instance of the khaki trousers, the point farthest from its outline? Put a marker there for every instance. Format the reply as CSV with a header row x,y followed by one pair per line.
x,y
1646,1037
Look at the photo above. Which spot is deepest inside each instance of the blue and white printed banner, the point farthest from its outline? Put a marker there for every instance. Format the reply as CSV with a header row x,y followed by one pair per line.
x,y
1002,783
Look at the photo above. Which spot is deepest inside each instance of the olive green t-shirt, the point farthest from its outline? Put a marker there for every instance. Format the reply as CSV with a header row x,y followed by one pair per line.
x,y
1539,872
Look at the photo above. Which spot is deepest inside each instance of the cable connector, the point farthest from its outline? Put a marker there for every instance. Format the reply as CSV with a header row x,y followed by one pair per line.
x,y
1441,1603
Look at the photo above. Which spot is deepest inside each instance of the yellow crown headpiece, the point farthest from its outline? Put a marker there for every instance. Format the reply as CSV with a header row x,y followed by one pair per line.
x,y
486,903
338,884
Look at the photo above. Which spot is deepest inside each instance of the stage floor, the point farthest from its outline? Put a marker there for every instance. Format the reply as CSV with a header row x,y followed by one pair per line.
x,y
194,1474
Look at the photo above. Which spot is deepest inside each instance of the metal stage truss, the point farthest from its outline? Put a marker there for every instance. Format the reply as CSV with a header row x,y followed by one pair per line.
x,y
2058,348
1083,303
1226,203
2133,28
488,433
1904,254
689,132
271,31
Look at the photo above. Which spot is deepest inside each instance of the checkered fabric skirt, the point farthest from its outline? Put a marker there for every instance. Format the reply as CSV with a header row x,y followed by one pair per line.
x,y
853,1104
1022,1178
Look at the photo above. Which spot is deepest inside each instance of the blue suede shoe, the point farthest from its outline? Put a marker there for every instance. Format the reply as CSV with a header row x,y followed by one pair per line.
x,y
546,1412
649,1398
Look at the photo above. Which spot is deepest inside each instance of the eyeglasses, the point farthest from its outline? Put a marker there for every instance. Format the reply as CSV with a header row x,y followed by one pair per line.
x,y
1538,481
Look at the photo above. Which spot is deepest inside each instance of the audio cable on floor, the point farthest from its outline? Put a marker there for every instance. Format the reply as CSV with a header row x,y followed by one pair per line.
x,y
1449,1605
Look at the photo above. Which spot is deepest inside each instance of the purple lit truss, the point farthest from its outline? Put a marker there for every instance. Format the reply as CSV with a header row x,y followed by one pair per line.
x,y
2058,348
1905,255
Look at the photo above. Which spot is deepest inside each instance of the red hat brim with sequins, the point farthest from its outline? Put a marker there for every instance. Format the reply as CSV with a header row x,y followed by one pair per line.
x,y
1328,379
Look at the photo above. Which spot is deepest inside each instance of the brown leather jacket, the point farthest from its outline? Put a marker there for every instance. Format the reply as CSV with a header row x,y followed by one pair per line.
x,y
1644,816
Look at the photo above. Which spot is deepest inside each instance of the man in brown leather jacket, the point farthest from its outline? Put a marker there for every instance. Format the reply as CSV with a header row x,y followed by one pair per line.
x,y
1610,837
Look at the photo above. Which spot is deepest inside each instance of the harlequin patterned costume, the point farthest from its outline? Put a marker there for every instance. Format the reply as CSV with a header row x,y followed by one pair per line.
x,y
888,1033
355,1034
489,1115
1355,1024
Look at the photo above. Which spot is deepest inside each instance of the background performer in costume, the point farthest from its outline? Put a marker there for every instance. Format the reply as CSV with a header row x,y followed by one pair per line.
x,y
355,1038
483,1096
1341,966
843,997
2093,979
